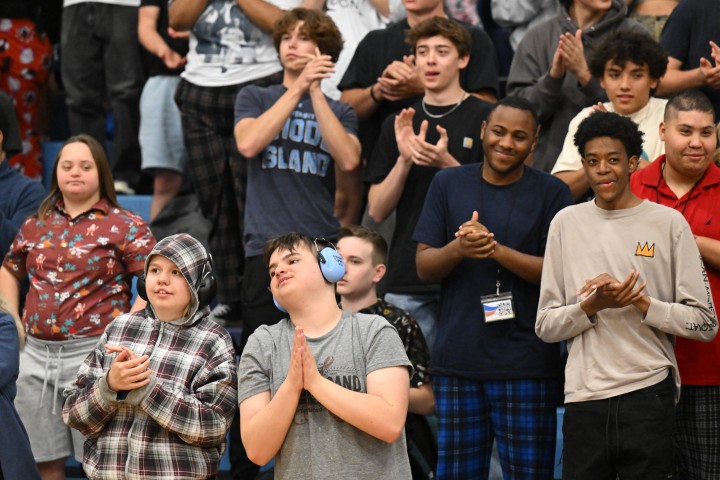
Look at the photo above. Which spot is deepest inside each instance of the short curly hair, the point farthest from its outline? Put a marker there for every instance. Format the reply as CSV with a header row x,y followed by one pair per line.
x,y
612,125
441,27
318,26
629,46
518,103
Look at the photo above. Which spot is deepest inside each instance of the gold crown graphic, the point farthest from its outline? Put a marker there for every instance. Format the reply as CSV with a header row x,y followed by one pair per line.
x,y
645,250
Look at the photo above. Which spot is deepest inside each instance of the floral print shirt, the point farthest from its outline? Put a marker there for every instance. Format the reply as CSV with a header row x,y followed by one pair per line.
x,y
80,269
412,338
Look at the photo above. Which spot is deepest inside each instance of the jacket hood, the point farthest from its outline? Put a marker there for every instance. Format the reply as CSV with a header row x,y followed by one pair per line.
x,y
612,19
193,261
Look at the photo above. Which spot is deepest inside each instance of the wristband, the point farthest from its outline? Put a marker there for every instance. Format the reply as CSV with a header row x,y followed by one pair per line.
x,y
372,94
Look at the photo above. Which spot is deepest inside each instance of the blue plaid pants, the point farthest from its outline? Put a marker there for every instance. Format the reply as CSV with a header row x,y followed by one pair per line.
x,y
519,414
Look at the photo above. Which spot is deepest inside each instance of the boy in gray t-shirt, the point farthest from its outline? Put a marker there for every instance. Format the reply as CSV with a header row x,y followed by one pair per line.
x,y
324,391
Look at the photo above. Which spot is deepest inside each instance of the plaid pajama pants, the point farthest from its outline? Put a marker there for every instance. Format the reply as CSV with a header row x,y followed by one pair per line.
x,y
519,414
697,420
218,173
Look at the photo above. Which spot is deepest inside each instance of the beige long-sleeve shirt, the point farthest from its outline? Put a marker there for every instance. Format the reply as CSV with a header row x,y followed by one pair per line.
x,y
618,350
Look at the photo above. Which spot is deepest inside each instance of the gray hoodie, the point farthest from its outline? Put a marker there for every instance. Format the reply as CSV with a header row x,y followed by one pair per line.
x,y
558,101
190,256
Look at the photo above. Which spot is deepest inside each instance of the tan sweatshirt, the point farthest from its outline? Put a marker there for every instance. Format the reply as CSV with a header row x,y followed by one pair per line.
x,y
618,351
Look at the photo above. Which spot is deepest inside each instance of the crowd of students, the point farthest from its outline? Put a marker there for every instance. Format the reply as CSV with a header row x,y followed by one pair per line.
x,y
501,285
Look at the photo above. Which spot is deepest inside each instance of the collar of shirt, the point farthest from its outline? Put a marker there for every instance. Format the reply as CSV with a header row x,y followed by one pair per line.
x,y
651,179
102,205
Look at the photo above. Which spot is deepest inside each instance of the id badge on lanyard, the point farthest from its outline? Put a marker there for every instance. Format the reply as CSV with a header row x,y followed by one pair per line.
x,y
498,306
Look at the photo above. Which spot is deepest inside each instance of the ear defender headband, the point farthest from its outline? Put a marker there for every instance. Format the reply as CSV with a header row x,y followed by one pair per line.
x,y
207,286
331,262
332,265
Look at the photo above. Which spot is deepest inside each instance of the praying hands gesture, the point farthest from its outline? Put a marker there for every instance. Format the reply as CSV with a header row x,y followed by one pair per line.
x,y
303,371
414,148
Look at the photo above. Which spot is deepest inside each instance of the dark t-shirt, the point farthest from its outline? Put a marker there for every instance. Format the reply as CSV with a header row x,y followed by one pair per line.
x,y
686,36
27,9
463,127
153,64
380,48
21,198
519,215
291,183
411,336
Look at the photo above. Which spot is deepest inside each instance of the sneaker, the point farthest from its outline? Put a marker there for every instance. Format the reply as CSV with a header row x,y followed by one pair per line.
x,y
123,188
224,313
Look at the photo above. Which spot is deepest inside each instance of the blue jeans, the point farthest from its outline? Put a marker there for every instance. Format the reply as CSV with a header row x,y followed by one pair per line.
x,y
100,61
425,307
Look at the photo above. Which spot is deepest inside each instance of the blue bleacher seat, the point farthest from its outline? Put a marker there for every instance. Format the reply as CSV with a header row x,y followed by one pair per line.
x,y
50,151
139,204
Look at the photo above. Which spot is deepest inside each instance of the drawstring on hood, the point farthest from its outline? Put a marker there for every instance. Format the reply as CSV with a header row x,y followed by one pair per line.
x,y
193,261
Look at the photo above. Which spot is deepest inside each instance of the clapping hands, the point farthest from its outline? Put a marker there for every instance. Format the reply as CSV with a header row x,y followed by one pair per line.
x,y
128,371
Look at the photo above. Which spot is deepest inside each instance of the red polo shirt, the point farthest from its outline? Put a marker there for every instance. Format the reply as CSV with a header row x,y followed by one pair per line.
x,y
699,362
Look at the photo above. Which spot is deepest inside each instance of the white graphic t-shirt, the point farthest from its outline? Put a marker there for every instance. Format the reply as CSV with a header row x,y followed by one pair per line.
x,y
226,48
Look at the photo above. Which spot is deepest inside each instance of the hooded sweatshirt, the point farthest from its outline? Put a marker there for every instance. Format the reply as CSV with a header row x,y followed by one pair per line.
x,y
558,100
189,255
174,427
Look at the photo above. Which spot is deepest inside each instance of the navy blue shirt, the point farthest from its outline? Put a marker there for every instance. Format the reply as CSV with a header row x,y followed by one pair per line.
x,y
686,36
20,198
519,215
291,183
16,455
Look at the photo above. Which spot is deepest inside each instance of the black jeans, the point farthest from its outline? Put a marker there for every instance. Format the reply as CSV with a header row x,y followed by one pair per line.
x,y
629,436
100,61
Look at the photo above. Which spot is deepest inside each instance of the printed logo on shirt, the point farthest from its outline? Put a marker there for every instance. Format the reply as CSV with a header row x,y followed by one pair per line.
x,y
708,292
308,404
226,36
467,142
300,128
645,250
345,5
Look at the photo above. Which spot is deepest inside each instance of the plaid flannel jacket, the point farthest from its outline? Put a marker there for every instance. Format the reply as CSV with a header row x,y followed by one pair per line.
x,y
173,428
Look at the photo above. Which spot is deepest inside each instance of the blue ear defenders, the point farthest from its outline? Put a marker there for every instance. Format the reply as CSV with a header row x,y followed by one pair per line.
x,y
331,264
205,291
278,306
